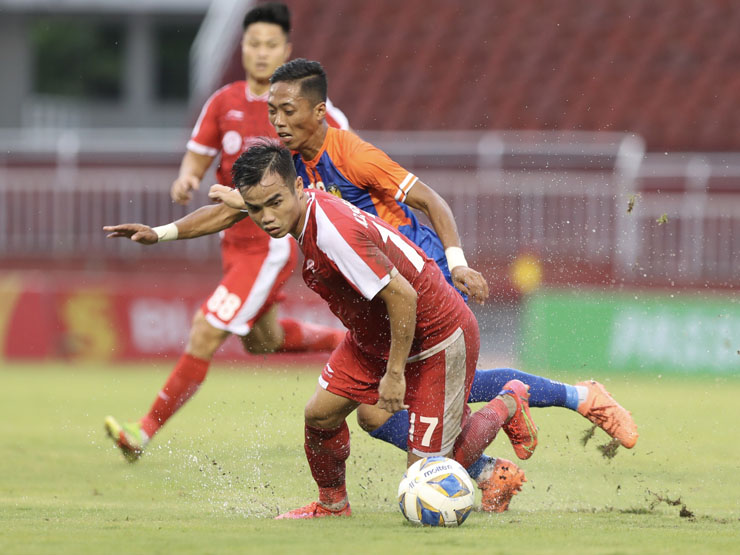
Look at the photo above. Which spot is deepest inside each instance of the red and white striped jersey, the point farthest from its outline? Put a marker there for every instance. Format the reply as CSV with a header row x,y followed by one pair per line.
x,y
350,255
230,120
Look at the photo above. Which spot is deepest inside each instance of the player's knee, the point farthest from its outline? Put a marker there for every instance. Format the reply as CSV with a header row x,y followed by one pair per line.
x,y
266,336
204,339
371,420
365,425
321,420
258,343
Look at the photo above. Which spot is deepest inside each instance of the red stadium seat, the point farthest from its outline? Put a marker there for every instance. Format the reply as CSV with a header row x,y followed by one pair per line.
x,y
662,69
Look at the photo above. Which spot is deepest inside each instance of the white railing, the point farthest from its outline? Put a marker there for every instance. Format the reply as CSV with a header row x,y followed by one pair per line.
x,y
562,196
693,233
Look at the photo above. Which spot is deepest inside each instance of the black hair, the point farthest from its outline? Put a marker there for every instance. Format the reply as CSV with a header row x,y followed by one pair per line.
x,y
311,75
270,12
264,156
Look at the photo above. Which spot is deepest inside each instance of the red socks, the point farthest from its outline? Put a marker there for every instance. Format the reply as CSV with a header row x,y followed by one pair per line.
x,y
305,337
190,371
182,384
327,451
479,431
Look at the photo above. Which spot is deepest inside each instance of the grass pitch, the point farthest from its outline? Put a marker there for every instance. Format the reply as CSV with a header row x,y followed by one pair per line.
x,y
233,458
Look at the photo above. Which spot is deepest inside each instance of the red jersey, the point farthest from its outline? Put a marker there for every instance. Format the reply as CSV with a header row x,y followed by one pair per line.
x,y
350,255
231,119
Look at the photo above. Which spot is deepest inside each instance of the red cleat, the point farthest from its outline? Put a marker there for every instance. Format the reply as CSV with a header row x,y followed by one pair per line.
x,y
503,483
314,510
520,428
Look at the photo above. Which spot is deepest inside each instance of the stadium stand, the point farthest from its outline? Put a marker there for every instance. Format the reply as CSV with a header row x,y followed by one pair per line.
x,y
661,69
528,117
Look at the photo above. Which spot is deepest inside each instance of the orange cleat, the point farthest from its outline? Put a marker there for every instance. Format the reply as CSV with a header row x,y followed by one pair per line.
x,y
520,428
504,482
314,510
601,409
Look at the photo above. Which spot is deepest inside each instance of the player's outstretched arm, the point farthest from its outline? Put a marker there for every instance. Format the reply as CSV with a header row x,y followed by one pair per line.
x,y
203,221
400,301
469,281
192,169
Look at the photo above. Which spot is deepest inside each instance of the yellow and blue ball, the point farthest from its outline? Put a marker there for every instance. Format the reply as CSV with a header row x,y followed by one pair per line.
x,y
436,491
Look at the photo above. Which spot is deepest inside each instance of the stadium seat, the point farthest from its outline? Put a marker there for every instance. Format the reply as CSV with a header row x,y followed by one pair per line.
x,y
433,64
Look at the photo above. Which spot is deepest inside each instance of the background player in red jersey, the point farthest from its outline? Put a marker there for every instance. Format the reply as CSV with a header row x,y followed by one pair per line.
x,y
413,342
255,265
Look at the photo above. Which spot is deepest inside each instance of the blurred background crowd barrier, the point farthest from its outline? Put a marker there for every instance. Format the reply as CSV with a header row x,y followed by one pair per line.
x,y
589,150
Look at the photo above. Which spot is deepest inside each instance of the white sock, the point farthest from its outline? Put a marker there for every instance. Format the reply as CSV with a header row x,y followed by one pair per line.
x,y
485,474
582,393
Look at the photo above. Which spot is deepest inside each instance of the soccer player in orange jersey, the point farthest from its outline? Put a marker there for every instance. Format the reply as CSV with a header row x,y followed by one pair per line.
x,y
255,266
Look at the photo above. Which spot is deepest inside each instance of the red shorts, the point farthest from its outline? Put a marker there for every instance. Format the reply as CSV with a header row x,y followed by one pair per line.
x,y
250,286
437,386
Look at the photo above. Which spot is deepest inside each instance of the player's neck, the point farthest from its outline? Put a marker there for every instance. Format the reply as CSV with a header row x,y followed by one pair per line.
x,y
301,223
311,149
257,88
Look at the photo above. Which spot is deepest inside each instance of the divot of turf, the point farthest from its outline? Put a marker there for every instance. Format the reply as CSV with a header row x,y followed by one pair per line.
x,y
609,450
588,434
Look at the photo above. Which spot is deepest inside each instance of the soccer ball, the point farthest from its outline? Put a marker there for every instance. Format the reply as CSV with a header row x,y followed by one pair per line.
x,y
436,491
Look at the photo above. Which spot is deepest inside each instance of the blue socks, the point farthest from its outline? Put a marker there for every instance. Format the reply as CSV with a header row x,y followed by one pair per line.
x,y
396,432
543,392
486,385
476,468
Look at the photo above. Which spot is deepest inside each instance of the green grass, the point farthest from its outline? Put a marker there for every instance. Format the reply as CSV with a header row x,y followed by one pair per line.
x,y
233,458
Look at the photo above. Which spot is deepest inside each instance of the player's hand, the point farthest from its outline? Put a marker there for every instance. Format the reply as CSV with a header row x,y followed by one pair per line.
x,y
182,189
470,282
136,232
227,195
391,391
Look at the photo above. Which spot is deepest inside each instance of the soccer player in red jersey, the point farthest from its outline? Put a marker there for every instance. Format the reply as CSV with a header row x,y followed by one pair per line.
x,y
255,266
345,165
412,342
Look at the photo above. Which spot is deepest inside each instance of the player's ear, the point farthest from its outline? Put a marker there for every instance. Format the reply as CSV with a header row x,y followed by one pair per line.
x,y
288,51
299,185
320,110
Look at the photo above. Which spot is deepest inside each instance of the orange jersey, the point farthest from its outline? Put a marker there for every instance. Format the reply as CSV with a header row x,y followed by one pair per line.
x,y
365,176
361,174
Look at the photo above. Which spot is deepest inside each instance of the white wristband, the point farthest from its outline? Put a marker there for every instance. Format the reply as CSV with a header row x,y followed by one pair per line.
x,y
166,232
455,257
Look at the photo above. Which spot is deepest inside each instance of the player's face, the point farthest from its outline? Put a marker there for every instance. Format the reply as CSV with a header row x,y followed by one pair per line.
x,y
264,48
296,120
274,207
